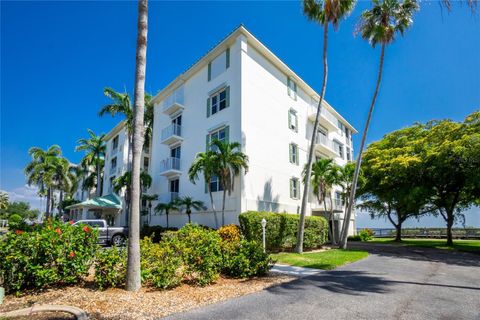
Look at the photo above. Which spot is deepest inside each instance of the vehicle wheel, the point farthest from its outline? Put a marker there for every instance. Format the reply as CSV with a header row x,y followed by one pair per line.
x,y
118,240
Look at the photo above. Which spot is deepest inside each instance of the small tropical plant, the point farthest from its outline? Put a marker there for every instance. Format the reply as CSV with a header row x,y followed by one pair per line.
x,y
188,203
166,208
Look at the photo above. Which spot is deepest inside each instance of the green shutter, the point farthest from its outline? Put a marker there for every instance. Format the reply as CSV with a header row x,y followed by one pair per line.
x,y
209,71
208,106
227,96
297,155
296,122
227,134
207,142
288,85
295,90
290,152
227,53
289,119
291,188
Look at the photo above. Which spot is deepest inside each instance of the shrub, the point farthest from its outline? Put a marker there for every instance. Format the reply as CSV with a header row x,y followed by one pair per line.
x,y
366,234
111,267
51,254
15,221
154,232
354,238
230,233
244,258
161,262
281,230
201,253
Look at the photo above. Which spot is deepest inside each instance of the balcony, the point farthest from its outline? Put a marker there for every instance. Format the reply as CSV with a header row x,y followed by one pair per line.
x,y
327,119
170,167
172,134
168,197
325,146
174,102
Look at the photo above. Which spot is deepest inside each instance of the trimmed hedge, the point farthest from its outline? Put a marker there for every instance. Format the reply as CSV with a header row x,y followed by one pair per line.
x,y
281,229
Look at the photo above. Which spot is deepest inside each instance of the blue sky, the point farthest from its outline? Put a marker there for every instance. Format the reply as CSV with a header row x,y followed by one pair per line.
x,y
56,58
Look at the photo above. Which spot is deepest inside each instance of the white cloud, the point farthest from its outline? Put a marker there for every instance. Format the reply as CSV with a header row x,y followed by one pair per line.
x,y
27,194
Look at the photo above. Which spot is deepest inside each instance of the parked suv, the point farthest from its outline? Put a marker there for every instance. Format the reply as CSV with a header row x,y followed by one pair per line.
x,y
106,234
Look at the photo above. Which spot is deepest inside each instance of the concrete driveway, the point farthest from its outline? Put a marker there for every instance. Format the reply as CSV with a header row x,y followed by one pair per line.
x,y
392,283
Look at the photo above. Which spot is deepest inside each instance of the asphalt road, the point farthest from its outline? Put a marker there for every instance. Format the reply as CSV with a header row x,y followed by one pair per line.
x,y
392,283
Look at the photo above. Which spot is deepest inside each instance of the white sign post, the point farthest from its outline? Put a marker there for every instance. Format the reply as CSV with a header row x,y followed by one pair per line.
x,y
264,224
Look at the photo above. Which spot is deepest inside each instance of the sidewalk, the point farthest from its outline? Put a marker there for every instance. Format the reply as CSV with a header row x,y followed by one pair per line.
x,y
294,271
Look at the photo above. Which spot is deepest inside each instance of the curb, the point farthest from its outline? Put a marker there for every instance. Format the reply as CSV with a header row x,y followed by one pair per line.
x,y
77,312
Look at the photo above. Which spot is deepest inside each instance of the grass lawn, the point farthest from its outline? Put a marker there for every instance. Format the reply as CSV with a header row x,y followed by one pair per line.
x,y
462,245
326,260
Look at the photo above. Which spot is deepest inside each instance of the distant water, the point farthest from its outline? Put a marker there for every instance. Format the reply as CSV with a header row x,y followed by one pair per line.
x,y
472,219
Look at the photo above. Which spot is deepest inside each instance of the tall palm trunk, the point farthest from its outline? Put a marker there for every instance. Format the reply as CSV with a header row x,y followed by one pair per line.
x,y
330,229
166,213
213,205
189,213
99,177
223,206
308,171
133,265
351,200
334,238
47,207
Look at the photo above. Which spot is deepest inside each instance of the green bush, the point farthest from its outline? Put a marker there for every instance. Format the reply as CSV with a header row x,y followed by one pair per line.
x,y
355,238
281,230
111,267
366,234
230,232
154,232
161,262
15,221
201,253
244,259
50,254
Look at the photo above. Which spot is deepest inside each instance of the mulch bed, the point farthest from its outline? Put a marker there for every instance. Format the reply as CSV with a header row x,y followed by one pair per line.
x,y
148,303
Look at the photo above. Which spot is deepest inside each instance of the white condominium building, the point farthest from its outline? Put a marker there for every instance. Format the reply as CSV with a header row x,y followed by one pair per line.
x,y
241,92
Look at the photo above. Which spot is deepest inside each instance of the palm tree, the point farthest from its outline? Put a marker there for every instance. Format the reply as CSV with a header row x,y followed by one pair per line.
x,y
62,177
379,25
39,171
166,207
125,181
3,200
205,162
230,161
149,198
94,148
188,203
322,179
323,12
133,265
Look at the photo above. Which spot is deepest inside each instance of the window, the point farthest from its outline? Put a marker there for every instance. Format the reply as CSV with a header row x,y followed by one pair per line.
x,y
146,146
347,134
293,153
341,127
218,65
218,101
115,143
113,163
338,148
215,184
220,134
111,184
349,155
294,188
293,120
292,88
145,163
175,152
177,120
174,185
339,201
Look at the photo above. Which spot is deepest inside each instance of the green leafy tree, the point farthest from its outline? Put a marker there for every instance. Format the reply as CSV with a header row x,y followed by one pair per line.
x,y
205,163
94,148
323,12
451,158
124,182
3,200
40,170
188,203
20,208
379,25
149,198
230,161
166,208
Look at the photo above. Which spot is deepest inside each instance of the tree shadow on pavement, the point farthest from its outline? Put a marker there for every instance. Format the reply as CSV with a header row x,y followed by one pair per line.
x,y
451,257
